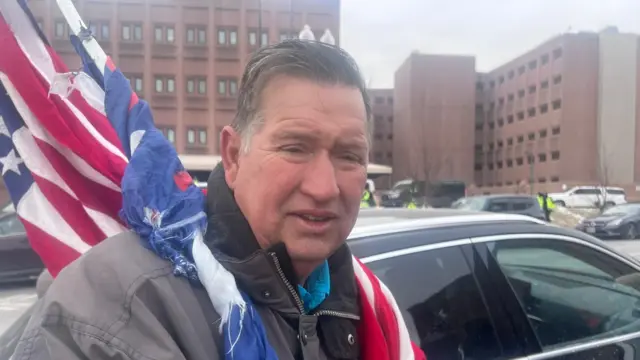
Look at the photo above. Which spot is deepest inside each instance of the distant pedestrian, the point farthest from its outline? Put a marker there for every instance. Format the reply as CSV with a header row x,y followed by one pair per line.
x,y
367,200
546,204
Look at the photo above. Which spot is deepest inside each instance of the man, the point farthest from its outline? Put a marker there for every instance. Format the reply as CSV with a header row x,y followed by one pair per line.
x,y
546,204
281,205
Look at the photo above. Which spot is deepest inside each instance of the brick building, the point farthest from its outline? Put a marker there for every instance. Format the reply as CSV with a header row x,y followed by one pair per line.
x,y
566,112
186,57
382,137
434,100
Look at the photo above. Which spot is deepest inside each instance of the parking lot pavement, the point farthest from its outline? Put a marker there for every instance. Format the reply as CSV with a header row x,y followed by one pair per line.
x,y
628,247
14,300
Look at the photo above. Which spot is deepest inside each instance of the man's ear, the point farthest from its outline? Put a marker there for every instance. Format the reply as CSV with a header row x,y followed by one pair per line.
x,y
230,146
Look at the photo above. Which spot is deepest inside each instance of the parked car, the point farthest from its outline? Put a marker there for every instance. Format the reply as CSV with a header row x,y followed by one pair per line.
x,y
590,197
620,221
498,286
18,261
508,204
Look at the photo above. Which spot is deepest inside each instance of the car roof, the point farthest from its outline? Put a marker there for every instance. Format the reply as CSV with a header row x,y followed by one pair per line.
x,y
390,220
501,196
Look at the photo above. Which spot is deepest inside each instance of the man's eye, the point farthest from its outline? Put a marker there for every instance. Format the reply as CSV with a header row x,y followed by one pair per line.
x,y
294,149
352,157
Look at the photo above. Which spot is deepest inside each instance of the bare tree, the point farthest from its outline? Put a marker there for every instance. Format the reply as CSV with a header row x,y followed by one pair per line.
x,y
604,177
522,187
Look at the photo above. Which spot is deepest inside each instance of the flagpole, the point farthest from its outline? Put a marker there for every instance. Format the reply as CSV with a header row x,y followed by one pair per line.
x,y
77,26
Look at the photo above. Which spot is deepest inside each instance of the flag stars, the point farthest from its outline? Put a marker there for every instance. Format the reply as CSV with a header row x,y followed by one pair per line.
x,y
11,162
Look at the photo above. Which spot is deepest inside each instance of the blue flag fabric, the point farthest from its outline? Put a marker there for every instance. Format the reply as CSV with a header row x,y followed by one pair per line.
x,y
163,206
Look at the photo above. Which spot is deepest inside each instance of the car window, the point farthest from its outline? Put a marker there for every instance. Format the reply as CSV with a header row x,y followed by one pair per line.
x,y
441,304
569,291
587,192
11,225
615,192
521,205
498,206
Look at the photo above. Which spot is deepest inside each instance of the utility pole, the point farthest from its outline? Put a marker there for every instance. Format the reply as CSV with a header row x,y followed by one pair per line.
x,y
260,44
291,19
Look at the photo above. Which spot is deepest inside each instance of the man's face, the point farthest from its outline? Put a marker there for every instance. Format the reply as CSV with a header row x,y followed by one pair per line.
x,y
301,179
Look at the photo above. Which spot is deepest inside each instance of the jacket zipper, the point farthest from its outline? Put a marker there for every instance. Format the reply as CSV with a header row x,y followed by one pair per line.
x,y
292,290
296,297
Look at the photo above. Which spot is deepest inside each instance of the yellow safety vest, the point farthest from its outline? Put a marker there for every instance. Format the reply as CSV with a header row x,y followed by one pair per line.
x,y
550,204
412,205
364,202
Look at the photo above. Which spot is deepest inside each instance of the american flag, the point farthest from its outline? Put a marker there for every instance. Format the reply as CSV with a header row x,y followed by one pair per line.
x,y
62,161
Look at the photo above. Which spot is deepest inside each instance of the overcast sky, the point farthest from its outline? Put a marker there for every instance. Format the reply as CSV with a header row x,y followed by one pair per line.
x,y
380,34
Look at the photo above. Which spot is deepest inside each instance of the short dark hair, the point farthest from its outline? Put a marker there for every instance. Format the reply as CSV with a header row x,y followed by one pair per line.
x,y
313,60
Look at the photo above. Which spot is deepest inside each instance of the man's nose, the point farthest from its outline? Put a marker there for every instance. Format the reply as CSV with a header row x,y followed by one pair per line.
x,y
319,180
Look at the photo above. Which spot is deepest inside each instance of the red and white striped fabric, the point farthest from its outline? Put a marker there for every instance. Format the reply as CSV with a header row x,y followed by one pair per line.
x,y
382,331
67,145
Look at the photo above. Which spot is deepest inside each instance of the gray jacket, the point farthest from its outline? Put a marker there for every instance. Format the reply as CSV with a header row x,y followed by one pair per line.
x,y
121,301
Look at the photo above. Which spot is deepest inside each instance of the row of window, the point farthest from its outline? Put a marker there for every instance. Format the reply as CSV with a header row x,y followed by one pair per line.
x,y
194,34
531,65
194,85
543,133
377,119
540,180
195,136
381,136
531,112
519,161
379,100
544,84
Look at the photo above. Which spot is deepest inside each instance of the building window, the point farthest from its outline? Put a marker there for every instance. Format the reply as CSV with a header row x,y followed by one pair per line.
x,y
61,30
542,133
509,163
227,87
501,102
544,108
198,84
532,89
521,115
557,79
501,79
511,74
555,155
520,139
542,180
544,59
557,53
499,164
253,38
521,93
100,30
164,34
132,32
533,64
510,97
191,136
136,82
555,179
492,125
531,112
510,119
227,37
521,70
500,122
196,35
555,130
557,104
532,136
165,84
169,133
519,161
544,84
492,84
542,157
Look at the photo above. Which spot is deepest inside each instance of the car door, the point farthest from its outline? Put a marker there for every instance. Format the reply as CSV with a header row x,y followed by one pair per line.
x,y
446,314
581,301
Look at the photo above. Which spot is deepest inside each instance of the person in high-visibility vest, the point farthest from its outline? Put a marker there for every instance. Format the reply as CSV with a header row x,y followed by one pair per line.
x,y
367,199
412,205
546,204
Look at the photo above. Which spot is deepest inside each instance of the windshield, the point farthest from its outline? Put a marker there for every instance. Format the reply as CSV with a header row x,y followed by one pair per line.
x,y
473,204
627,209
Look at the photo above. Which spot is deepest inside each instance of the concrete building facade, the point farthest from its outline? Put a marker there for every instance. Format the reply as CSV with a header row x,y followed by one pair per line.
x,y
186,57
433,134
